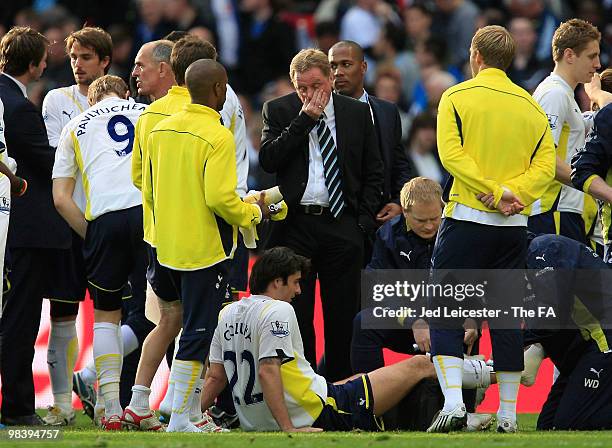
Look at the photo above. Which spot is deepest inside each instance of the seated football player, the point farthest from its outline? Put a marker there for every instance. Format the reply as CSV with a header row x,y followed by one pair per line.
x,y
258,348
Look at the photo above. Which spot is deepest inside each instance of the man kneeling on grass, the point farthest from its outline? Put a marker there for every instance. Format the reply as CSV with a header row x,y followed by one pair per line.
x,y
258,346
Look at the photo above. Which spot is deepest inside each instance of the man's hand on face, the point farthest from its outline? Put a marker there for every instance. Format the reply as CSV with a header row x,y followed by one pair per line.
x,y
318,101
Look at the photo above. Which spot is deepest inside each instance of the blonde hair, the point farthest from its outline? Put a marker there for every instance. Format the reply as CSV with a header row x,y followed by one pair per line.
x,y
420,189
575,34
496,46
307,59
105,85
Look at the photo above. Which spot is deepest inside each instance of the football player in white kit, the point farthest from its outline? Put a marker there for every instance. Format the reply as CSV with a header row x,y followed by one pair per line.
x,y
96,146
90,51
257,346
576,54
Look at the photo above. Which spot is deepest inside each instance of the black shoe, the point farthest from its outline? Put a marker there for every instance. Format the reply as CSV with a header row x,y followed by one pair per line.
x,y
22,420
223,418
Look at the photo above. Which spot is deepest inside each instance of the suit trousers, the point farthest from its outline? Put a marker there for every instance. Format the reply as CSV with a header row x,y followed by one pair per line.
x,y
19,328
335,248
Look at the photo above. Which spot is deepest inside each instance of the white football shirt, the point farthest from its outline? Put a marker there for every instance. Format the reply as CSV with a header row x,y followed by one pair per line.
x,y
97,147
258,327
233,119
569,129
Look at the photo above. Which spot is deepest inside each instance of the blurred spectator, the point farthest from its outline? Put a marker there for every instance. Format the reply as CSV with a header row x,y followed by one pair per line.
x,y
183,14
526,70
150,25
203,33
267,45
417,22
227,31
390,49
592,12
431,57
422,149
435,85
28,17
326,34
364,23
388,87
459,22
58,72
545,23
122,50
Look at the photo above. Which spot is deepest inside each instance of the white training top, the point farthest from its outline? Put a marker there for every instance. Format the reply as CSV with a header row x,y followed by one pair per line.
x,y
258,327
233,119
569,129
97,144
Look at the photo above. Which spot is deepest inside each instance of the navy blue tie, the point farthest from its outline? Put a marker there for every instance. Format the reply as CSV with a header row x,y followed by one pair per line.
x,y
331,168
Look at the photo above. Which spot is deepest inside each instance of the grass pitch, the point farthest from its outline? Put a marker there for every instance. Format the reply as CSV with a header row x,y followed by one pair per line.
x,y
83,435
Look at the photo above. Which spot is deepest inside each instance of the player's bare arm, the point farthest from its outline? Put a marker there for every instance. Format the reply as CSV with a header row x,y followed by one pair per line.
x,y
272,387
63,188
214,383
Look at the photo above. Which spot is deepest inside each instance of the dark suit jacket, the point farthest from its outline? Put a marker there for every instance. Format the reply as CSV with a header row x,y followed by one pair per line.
x,y
34,221
284,151
389,129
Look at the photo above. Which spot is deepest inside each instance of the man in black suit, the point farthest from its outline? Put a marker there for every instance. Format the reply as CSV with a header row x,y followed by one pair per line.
x,y
349,68
36,230
324,151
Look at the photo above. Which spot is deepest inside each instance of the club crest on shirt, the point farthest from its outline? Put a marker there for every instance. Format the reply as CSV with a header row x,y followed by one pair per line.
x,y
279,329
552,120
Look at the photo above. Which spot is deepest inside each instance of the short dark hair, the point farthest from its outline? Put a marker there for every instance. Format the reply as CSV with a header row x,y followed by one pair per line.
x,y
95,38
186,51
176,35
19,48
278,262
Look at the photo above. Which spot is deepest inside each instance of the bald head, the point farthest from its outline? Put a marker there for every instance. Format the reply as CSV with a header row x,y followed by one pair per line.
x,y
206,81
356,49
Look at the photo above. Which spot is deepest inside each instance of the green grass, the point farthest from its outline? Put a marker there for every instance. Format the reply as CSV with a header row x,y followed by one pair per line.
x,y
83,435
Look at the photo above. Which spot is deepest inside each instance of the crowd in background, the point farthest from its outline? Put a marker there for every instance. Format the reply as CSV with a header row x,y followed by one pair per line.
x,y
414,49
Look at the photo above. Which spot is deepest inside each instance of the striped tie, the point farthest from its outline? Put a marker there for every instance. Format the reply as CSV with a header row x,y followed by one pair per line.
x,y
333,178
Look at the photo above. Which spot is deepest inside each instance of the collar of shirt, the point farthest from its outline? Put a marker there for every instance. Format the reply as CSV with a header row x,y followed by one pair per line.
x,y
329,108
19,83
178,90
563,82
364,98
492,73
200,109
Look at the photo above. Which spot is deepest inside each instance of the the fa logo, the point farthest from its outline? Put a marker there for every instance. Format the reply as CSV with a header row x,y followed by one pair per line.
x,y
280,329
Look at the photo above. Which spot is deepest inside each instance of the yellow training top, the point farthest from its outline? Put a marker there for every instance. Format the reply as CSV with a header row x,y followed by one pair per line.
x,y
492,135
189,183
173,102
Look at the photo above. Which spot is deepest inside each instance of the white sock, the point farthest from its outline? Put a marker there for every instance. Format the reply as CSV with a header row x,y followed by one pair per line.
x,y
107,356
476,373
185,375
130,341
508,383
165,407
62,352
88,373
449,370
532,358
99,407
195,413
140,399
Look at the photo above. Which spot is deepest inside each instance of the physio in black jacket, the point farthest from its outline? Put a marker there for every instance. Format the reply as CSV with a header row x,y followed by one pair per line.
x,y
405,242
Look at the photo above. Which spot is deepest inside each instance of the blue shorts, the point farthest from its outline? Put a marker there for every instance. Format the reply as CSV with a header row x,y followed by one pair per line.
x,y
551,222
164,281
349,406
